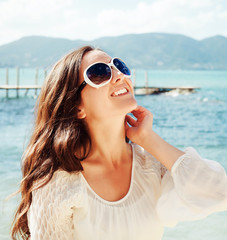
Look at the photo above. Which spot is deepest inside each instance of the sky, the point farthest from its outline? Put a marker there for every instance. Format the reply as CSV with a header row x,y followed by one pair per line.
x,y
92,19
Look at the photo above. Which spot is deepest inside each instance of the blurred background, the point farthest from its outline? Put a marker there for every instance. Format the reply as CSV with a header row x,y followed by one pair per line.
x,y
177,51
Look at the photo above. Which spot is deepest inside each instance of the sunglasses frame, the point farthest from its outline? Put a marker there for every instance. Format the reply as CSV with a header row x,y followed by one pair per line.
x,y
89,82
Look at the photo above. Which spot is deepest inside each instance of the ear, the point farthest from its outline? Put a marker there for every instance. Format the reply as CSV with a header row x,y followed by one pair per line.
x,y
81,113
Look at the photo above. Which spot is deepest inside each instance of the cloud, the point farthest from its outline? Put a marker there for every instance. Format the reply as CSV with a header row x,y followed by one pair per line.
x,y
36,17
193,18
76,19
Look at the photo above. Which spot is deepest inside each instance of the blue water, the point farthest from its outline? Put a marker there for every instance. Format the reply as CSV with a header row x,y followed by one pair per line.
x,y
198,120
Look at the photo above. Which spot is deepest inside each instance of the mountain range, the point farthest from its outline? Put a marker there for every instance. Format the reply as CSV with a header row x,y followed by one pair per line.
x,y
140,51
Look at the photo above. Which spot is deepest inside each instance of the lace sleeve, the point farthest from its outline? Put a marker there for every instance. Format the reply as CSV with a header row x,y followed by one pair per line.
x,y
163,170
50,214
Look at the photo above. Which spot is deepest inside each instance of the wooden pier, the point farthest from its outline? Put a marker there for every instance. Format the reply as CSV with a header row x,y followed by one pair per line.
x,y
142,90
158,90
138,90
18,87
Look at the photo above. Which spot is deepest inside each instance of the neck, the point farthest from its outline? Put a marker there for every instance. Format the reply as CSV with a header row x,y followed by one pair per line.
x,y
108,142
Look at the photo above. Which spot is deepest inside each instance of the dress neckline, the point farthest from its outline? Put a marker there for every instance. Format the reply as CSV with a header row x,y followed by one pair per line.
x,y
130,187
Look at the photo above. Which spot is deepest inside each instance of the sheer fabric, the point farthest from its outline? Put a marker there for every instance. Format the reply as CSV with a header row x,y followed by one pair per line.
x,y
68,208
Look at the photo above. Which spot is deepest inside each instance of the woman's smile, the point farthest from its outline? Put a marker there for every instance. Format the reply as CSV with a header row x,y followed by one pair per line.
x,y
120,92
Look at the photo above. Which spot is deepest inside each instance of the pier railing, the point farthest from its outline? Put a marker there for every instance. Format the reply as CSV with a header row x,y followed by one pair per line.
x,y
18,86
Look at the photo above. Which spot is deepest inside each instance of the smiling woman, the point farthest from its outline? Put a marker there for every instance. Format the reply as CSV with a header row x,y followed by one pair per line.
x,y
82,180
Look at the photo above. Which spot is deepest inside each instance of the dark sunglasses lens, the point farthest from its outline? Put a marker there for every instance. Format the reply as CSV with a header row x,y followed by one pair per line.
x,y
121,66
98,73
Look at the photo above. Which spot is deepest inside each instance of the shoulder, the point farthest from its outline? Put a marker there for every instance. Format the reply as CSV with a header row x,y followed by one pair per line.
x,y
62,189
53,204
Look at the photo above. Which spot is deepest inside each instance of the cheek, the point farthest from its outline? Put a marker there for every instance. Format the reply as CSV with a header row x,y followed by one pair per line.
x,y
130,84
96,102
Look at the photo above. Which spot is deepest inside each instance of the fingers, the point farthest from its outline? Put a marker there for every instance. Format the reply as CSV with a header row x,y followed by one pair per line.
x,y
140,111
126,125
130,120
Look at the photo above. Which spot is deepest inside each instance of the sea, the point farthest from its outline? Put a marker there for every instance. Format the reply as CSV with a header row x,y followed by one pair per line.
x,y
197,119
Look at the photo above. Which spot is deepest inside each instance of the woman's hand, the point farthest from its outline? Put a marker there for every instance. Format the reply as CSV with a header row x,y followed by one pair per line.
x,y
141,133
141,127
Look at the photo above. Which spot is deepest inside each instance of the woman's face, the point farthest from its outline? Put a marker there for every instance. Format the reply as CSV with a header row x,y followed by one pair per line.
x,y
99,103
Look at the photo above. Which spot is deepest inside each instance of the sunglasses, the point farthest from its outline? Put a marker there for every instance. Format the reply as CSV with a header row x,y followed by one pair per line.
x,y
99,74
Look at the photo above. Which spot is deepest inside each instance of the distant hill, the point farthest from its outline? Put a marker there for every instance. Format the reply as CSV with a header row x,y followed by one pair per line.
x,y
144,51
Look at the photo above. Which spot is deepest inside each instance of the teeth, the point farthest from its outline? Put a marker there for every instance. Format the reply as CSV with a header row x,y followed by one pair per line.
x,y
121,91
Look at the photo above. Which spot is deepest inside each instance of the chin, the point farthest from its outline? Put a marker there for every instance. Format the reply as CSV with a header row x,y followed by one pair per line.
x,y
133,106
130,106
124,106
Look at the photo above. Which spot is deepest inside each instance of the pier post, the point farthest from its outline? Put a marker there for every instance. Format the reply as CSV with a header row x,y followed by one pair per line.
x,y
45,73
18,81
36,80
7,82
146,82
146,79
134,77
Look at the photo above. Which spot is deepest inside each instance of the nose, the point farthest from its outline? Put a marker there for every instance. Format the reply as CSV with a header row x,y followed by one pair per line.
x,y
116,76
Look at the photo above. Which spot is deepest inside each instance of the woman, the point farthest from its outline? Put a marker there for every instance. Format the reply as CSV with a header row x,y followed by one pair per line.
x,y
82,180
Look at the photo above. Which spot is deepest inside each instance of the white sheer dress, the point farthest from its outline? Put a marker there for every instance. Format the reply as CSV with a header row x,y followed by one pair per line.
x,y
68,208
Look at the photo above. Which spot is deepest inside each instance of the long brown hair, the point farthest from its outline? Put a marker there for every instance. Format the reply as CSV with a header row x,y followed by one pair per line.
x,y
59,141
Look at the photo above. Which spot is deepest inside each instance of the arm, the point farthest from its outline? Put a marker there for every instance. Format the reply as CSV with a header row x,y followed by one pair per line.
x,y
193,187
141,133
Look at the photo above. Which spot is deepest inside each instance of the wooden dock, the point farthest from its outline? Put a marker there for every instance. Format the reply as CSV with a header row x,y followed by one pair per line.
x,y
158,90
138,90
17,88
142,90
